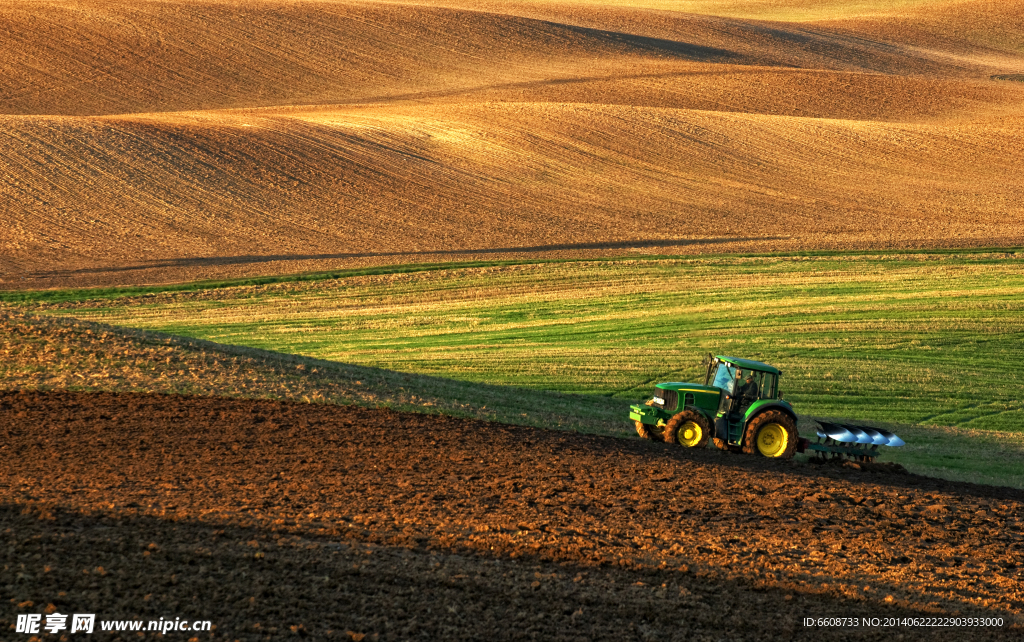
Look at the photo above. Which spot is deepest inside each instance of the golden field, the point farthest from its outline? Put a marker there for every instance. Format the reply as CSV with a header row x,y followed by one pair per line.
x,y
170,141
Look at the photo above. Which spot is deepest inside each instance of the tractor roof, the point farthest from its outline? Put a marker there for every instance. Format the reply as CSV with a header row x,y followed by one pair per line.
x,y
748,364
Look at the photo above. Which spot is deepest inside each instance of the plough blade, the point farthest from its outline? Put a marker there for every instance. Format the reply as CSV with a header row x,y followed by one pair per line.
x,y
836,433
862,436
876,437
893,439
858,435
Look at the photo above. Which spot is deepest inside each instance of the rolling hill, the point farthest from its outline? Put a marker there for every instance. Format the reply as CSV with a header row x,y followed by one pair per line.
x,y
167,141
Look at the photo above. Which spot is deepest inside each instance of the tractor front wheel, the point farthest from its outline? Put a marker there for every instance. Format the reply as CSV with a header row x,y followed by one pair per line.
x,y
642,430
654,433
688,428
771,434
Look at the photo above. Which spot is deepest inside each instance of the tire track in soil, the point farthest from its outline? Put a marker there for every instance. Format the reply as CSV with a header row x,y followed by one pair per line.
x,y
399,525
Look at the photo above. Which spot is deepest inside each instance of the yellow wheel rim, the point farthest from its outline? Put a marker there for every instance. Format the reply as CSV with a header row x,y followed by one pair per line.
x,y
772,440
690,434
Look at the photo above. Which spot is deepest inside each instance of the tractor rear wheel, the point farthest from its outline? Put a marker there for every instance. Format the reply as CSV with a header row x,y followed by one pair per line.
x,y
688,428
771,434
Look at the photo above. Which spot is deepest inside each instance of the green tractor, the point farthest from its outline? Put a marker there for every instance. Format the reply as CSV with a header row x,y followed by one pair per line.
x,y
739,408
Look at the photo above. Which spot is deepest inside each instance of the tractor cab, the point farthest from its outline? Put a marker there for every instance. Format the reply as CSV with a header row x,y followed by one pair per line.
x,y
745,386
731,377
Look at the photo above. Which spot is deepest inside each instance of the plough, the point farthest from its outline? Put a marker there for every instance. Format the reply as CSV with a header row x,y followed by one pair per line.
x,y
836,441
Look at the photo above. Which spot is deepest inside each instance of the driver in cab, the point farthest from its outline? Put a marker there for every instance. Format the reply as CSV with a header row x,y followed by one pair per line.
x,y
748,392
743,393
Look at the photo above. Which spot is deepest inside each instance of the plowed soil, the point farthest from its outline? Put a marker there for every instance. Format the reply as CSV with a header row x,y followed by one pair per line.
x,y
336,522
173,141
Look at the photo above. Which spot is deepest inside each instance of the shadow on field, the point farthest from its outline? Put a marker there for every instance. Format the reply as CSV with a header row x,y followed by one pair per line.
x,y
278,514
257,583
674,48
253,259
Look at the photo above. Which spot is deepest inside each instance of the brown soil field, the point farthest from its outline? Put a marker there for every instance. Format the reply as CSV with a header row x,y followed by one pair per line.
x,y
270,519
169,141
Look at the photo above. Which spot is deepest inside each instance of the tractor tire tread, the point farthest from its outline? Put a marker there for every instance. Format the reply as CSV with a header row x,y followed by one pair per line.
x,y
642,430
771,416
680,418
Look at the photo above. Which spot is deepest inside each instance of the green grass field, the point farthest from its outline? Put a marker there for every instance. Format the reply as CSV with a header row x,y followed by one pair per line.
x,y
909,339
917,339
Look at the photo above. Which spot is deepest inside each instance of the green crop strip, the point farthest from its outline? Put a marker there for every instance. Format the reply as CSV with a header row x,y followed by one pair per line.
x,y
95,294
910,339
913,339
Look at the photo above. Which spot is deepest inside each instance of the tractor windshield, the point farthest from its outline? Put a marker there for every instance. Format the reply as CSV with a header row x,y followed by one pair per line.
x,y
732,379
725,378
